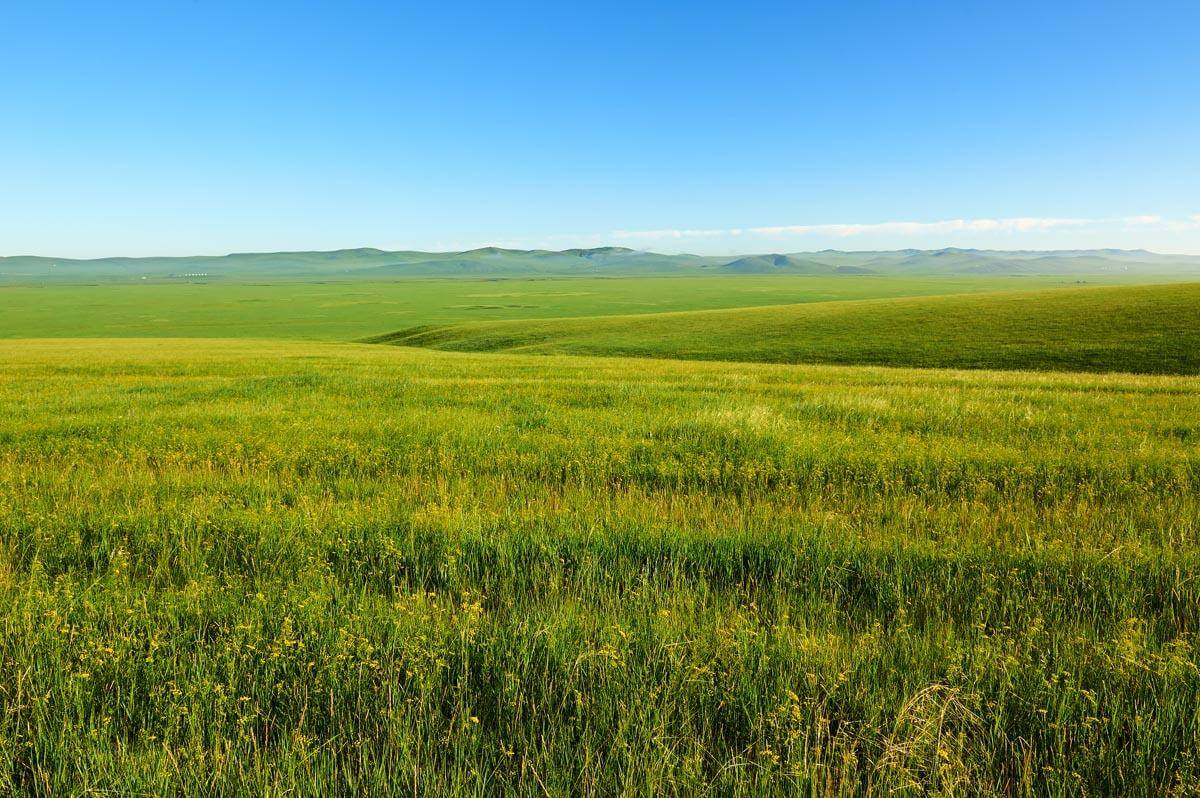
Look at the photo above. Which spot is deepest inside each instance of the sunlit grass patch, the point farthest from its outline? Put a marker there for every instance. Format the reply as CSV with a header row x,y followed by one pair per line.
x,y
251,567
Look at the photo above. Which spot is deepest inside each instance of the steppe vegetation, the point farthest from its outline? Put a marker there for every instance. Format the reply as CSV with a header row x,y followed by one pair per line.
x,y
345,309
1143,329
292,568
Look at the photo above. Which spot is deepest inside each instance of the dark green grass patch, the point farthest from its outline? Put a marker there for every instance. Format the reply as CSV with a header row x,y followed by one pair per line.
x,y
1138,329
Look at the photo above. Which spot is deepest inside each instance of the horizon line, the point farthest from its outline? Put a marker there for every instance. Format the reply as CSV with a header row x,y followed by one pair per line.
x,y
637,250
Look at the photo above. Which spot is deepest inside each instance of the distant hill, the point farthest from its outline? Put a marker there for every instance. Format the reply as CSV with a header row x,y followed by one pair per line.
x,y
776,264
616,261
1144,329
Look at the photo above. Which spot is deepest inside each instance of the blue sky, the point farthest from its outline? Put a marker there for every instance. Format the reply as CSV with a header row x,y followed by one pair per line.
x,y
206,127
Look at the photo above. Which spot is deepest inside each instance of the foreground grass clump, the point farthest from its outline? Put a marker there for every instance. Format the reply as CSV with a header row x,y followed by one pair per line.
x,y
266,568
1145,329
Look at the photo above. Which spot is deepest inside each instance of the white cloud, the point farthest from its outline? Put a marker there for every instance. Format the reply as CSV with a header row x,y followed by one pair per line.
x,y
1140,221
1019,224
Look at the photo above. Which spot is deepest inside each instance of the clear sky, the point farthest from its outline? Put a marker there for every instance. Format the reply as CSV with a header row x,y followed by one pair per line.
x,y
206,127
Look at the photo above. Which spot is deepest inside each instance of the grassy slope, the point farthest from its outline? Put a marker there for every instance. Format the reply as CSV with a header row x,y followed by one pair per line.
x,y
1148,329
352,309
262,567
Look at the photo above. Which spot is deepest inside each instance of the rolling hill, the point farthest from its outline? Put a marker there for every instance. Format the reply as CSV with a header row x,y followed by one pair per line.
x,y
372,263
776,264
1140,329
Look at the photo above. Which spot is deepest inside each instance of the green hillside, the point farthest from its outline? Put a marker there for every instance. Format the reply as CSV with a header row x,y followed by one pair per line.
x,y
1141,329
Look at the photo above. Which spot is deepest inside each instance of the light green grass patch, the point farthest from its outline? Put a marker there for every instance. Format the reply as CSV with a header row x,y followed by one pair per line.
x,y
357,308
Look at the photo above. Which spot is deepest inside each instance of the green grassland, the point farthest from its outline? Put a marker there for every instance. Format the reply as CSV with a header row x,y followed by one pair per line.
x,y
241,555
1145,329
288,568
350,309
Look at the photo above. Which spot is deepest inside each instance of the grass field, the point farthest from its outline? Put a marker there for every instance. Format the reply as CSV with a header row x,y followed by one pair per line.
x,y
349,309
258,566
283,568
1148,329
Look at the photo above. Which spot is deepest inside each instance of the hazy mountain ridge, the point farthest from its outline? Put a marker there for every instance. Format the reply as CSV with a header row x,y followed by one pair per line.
x,y
369,262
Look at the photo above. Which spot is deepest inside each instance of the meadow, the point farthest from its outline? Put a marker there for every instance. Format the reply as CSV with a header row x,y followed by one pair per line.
x,y
285,568
1143,329
348,309
264,565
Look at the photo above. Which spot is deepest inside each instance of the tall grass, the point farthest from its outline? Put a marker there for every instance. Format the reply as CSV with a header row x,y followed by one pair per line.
x,y
234,568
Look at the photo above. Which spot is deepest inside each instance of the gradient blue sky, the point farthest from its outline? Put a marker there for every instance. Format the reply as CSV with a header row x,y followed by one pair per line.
x,y
207,127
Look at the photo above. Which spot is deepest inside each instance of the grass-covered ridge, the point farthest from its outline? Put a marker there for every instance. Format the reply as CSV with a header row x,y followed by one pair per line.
x,y
272,568
1139,329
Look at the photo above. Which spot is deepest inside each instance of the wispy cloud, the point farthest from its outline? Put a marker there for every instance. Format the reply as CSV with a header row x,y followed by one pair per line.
x,y
1178,234
1019,224
1181,225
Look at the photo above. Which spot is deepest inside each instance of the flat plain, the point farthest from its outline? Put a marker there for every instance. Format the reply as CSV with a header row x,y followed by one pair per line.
x,y
247,565
346,309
